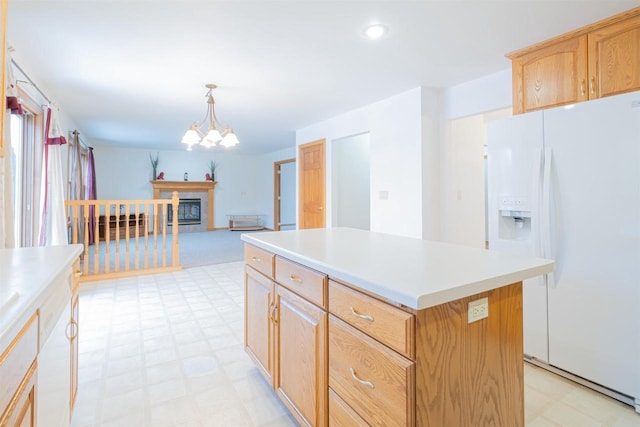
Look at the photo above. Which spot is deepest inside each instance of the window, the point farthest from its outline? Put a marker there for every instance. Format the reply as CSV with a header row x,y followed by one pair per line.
x,y
26,164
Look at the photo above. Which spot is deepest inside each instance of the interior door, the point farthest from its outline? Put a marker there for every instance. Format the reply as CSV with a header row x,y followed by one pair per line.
x,y
311,207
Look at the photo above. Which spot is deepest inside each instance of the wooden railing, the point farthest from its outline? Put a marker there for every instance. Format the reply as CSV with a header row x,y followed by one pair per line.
x,y
129,236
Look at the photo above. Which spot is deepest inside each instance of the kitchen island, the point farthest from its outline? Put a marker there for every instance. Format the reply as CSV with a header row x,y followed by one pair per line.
x,y
352,327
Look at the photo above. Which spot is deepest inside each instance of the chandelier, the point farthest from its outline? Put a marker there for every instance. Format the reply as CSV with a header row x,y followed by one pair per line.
x,y
216,133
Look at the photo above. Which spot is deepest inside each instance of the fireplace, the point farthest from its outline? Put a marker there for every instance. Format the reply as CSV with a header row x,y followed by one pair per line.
x,y
188,212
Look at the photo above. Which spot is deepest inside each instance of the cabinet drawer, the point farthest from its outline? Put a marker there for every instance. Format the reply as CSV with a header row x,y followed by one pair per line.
x,y
259,259
304,281
341,414
16,360
386,323
375,381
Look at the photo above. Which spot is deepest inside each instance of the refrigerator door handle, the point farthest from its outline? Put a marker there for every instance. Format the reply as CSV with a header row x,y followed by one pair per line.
x,y
545,230
536,191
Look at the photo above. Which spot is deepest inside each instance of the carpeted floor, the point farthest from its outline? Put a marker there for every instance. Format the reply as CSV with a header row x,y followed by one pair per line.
x,y
211,247
196,250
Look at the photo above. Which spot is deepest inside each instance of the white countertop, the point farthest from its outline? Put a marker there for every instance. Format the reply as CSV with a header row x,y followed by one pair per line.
x,y
413,272
25,278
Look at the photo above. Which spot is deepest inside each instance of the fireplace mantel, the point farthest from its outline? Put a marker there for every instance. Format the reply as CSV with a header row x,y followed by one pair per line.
x,y
188,187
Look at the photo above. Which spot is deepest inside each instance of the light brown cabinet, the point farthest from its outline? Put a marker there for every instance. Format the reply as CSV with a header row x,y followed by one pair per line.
x,y
24,414
258,331
598,60
337,355
372,379
286,334
18,373
74,336
301,357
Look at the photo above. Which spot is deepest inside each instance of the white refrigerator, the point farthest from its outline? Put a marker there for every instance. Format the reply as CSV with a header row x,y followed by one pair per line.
x,y
564,184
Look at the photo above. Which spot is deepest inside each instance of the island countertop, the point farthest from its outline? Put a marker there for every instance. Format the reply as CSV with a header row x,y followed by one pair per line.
x,y
413,272
25,276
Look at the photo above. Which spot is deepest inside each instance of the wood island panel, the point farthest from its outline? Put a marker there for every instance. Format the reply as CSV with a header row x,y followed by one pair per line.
x,y
471,374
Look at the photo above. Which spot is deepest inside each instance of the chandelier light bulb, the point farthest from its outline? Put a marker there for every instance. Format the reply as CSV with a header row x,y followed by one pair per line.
x,y
230,139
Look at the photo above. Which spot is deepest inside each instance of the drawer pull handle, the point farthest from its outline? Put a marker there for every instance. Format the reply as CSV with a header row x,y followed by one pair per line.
x,y
71,330
362,316
582,88
272,312
363,382
255,258
592,86
295,278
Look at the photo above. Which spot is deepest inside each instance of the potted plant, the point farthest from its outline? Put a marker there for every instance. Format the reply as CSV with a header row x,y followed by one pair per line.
x,y
154,164
211,176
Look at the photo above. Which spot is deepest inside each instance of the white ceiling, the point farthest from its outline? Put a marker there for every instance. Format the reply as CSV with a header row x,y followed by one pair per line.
x,y
132,73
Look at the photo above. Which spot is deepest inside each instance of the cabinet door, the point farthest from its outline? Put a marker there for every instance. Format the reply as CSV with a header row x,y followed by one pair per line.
x,y
24,404
73,339
614,58
301,357
550,76
258,331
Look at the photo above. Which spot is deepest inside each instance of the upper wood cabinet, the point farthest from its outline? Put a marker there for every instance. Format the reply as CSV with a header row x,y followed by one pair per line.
x,y
602,59
614,58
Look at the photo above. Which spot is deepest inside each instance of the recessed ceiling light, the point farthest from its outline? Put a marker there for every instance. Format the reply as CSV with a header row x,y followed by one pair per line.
x,y
375,31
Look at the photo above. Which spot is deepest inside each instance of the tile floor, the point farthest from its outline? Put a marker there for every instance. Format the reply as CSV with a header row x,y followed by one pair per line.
x,y
166,350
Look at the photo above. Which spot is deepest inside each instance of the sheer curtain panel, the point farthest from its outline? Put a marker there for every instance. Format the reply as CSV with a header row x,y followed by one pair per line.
x,y
53,226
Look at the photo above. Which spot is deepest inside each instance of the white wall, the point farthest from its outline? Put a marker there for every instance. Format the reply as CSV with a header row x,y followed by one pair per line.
x,y
431,152
395,131
123,173
351,172
488,93
265,181
463,221
462,189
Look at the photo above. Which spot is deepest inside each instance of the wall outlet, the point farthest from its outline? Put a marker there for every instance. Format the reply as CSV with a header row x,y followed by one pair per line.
x,y
478,309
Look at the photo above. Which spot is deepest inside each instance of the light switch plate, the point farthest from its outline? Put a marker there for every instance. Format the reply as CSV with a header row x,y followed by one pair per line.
x,y
478,309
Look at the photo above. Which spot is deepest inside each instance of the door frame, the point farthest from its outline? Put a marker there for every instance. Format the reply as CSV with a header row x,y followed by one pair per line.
x,y
277,192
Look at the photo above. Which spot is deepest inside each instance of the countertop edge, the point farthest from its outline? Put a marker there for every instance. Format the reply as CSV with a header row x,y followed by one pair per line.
x,y
22,312
421,302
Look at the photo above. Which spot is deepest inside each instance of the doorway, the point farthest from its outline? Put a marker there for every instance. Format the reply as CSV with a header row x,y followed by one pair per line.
x,y
350,181
284,203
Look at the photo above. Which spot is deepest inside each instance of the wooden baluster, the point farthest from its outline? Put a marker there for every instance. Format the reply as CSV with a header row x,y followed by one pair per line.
x,y
146,238
175,251
155,235
96,247
136,262
85,261
117,236
107,239
165,211
126,242
74,224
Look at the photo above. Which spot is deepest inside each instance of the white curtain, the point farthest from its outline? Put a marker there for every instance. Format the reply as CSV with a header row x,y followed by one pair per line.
x,y
53,226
